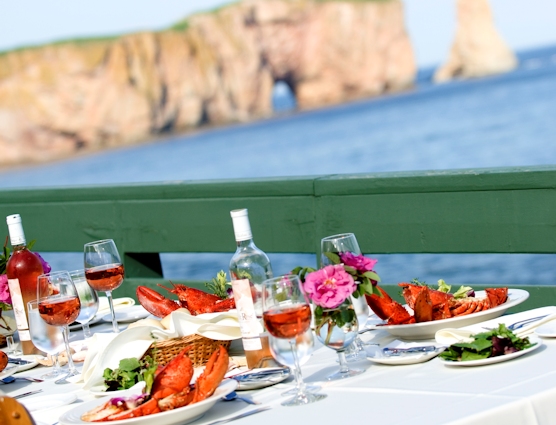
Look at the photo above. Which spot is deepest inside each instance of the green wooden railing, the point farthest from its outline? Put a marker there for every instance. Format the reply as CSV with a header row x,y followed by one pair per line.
x,y
504,210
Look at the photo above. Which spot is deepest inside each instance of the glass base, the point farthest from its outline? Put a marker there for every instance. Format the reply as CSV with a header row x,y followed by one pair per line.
x,y
53,374
304,398
309,388
64,379
342,375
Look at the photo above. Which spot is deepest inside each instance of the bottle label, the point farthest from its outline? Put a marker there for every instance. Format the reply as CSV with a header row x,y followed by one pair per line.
x,y
248,323
19,309
252,344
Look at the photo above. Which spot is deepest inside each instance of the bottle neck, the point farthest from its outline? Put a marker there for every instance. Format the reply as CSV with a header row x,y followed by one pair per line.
x,y
245,243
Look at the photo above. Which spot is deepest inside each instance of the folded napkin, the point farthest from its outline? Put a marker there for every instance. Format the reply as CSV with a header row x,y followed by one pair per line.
x,y
106,350
119,303
450,336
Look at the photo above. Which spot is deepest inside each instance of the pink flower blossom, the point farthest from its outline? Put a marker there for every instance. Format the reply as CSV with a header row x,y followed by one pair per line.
x,y
330,286
4,290
359,262
45,266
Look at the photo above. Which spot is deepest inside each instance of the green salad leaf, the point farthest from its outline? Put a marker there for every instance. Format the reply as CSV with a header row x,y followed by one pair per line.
x,y
129,372
497,342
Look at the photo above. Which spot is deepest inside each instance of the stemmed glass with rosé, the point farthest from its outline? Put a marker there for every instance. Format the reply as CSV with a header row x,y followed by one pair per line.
x,y
104,270
287,317
59,305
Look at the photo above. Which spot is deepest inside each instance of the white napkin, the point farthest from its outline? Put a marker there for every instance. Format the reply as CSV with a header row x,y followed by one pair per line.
x,y
106,350
119,303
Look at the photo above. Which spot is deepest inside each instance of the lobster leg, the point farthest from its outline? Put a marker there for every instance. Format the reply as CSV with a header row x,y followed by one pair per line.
x,y
155,303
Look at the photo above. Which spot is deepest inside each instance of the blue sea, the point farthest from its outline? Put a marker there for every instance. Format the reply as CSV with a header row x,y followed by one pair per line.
x,y
499,121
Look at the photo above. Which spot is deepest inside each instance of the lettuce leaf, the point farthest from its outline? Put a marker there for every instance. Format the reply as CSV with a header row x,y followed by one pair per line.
x,y
129,372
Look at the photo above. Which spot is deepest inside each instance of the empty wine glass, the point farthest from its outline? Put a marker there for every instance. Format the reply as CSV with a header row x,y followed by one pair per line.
x,y
45,337
337,244
88,298
287,316
59,305
104,270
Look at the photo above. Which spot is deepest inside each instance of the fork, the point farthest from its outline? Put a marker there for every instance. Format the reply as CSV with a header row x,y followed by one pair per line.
x,y
518,325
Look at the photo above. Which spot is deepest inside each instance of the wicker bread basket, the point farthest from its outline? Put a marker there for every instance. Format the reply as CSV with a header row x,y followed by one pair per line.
x,y
199,353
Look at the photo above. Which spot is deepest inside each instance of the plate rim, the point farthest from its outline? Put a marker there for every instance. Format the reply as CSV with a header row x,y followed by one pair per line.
x,y
497,359
521,296
8,371
228,385
34,362
108,316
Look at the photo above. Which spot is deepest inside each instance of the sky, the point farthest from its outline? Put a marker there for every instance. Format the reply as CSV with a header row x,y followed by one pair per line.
x,y
431,23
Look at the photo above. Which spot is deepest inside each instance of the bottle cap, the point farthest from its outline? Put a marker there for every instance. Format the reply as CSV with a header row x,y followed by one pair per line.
x,y
15,228
242,228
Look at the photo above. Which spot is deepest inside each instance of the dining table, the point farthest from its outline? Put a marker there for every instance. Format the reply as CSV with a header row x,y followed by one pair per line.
x,y
521,390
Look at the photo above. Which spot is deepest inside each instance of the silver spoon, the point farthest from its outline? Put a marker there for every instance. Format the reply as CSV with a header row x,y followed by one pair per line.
x,y
233,396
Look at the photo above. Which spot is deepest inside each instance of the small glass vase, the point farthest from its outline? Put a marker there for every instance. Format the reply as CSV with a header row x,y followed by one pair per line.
x,y
337,328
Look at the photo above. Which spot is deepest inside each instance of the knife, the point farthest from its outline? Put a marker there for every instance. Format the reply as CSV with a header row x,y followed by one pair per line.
x,y
412,350
17,361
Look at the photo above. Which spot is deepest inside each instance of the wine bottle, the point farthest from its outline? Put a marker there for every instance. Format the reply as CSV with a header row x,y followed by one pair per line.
x,y
249,268
23,269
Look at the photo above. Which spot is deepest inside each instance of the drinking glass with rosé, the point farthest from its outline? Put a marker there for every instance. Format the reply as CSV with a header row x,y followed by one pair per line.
x,y
287,316
59,305
104,270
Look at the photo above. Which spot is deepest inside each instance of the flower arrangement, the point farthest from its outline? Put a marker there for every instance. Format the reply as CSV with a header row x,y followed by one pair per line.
x,y
330,287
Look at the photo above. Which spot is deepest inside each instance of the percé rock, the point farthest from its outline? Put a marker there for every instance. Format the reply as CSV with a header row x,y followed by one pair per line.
x,y
72,97
478,49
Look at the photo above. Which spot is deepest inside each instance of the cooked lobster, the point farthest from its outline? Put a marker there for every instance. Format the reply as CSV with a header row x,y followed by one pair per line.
x,y
171,389
194,300
429,304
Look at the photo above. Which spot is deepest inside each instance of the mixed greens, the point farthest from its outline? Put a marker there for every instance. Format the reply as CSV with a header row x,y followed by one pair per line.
x,y
462,292
496,342
129,373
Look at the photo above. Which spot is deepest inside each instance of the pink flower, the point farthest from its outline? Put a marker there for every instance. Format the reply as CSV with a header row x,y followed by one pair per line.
x,y
4,290
45,266
359,262
329,287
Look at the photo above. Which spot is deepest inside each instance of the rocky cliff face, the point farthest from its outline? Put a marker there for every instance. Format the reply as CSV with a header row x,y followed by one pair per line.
x,y
478,49
60,99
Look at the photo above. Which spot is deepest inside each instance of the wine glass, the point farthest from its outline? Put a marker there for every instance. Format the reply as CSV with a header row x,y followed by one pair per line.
x,y
59,305
104,270
88,298
45,337
336,244
305,347
287,317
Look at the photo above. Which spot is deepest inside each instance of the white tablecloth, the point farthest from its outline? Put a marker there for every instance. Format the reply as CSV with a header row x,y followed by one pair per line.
x,y
520,391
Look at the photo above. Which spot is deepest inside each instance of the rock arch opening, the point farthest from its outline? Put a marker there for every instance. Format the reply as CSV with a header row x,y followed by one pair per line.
x,y
283,97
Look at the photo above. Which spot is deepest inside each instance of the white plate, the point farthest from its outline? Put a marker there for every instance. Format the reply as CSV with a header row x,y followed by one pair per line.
x,y
9,370
30,358
377,357
181,415
491,360
548,330
268,379
129,314
426,330
48,401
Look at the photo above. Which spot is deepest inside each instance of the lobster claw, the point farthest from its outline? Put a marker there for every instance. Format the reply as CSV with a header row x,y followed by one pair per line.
x,y
155,303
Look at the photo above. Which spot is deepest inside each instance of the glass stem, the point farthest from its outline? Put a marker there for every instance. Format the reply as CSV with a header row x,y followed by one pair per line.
x,y
297,370
343,363
86,330
56,365
112,312
71,367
